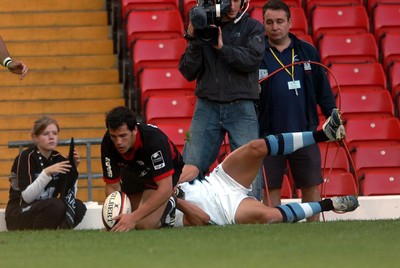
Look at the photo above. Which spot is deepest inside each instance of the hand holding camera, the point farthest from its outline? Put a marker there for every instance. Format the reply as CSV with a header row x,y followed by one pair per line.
x,y
205,19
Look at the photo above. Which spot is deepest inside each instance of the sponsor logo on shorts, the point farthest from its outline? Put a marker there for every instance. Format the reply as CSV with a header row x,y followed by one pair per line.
x,y
158,160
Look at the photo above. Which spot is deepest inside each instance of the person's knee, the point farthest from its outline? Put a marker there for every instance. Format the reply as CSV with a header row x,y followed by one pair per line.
x,y
54,207
50,215
271,215
80,211
258,148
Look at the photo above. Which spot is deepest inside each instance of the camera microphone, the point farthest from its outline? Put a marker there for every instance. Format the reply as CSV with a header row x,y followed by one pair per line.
x,y
198,17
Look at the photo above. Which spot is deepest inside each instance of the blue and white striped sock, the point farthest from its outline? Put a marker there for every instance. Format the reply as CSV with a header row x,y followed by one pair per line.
x,y
286,143
295,212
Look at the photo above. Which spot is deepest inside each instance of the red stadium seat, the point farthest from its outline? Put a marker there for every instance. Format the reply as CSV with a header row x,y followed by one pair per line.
x,y
171,110
357,76
390,49
372,4
153,24
120,10
386,18
256,13
129,5
163,82
348,48
290,3
333,158
299,20
338,184
310,5
362,131
307,38
394,82
381,182
186,6
339,20
157,53
370,157
365,104
176,132
287,189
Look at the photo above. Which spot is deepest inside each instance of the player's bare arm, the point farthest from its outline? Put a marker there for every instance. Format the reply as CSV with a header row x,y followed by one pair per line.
x,y
16,67
111,187
189,173
148,214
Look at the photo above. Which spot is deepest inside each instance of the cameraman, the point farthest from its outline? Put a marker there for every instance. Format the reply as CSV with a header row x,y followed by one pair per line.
x,y
226,86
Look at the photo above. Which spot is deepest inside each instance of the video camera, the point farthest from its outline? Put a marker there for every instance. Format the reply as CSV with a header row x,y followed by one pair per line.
x,y
206,17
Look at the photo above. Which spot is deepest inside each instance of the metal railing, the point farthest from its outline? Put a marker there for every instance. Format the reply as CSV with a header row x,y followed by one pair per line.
x,y
87,142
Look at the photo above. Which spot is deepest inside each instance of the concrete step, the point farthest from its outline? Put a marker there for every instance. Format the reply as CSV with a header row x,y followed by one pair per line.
x,y
7,136
21,93
74,62
60,48
67,77
50,33
50,5
72,121
85,107
56,19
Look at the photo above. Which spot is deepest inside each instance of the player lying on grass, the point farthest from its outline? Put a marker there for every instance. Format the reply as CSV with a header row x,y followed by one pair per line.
x,y
222,197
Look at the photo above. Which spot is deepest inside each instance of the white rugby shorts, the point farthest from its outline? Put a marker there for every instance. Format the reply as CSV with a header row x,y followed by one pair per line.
x,y
219,195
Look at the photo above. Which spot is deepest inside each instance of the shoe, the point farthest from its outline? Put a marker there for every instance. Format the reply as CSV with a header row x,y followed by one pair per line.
x,y
168,218
344,203
333,127
179,193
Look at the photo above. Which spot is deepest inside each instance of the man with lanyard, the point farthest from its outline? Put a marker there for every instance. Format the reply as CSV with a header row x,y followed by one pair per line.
x,y
288,101
141,161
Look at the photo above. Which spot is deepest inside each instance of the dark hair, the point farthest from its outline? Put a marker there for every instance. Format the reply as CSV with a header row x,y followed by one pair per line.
x,y
119,116
277,5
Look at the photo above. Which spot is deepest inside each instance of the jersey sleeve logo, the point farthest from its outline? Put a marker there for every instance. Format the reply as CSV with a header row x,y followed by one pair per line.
x,y
158,160
108,167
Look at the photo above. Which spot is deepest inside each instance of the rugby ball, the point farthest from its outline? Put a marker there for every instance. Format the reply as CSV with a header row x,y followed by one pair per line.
x,y
116,203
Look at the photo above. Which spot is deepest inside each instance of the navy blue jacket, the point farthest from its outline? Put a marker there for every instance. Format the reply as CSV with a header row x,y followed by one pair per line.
x,y
317,88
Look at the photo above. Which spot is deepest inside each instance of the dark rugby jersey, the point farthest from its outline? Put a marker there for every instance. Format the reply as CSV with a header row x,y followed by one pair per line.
x,y
154,157
27,167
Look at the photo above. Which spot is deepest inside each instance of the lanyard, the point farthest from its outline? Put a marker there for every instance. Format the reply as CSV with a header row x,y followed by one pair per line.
x,y
291,74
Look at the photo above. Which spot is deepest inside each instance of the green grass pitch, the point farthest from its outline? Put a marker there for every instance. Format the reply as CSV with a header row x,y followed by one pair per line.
x,y
326,244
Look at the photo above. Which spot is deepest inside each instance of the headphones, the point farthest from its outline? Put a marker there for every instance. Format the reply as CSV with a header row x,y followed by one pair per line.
x,y
244,2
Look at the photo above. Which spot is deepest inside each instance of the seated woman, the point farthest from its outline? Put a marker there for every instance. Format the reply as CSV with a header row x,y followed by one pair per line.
x,y
43,183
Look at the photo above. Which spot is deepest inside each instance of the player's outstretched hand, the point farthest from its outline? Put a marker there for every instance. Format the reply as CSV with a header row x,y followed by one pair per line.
x,y
189,173
18,67
124,224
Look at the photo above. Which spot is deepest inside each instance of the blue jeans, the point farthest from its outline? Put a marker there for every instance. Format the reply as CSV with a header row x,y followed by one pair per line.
x,y
211,122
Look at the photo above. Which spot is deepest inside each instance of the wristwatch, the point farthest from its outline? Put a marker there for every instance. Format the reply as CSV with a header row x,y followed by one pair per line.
x,y
187,36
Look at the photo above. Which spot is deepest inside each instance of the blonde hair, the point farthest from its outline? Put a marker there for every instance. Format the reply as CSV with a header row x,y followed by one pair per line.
x,y
42,123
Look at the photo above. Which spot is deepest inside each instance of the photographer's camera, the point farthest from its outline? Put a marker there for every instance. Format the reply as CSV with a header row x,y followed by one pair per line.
x,y
206,17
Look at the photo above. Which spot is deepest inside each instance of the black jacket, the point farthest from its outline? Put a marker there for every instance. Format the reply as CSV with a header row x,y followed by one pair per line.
x,y
231,73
